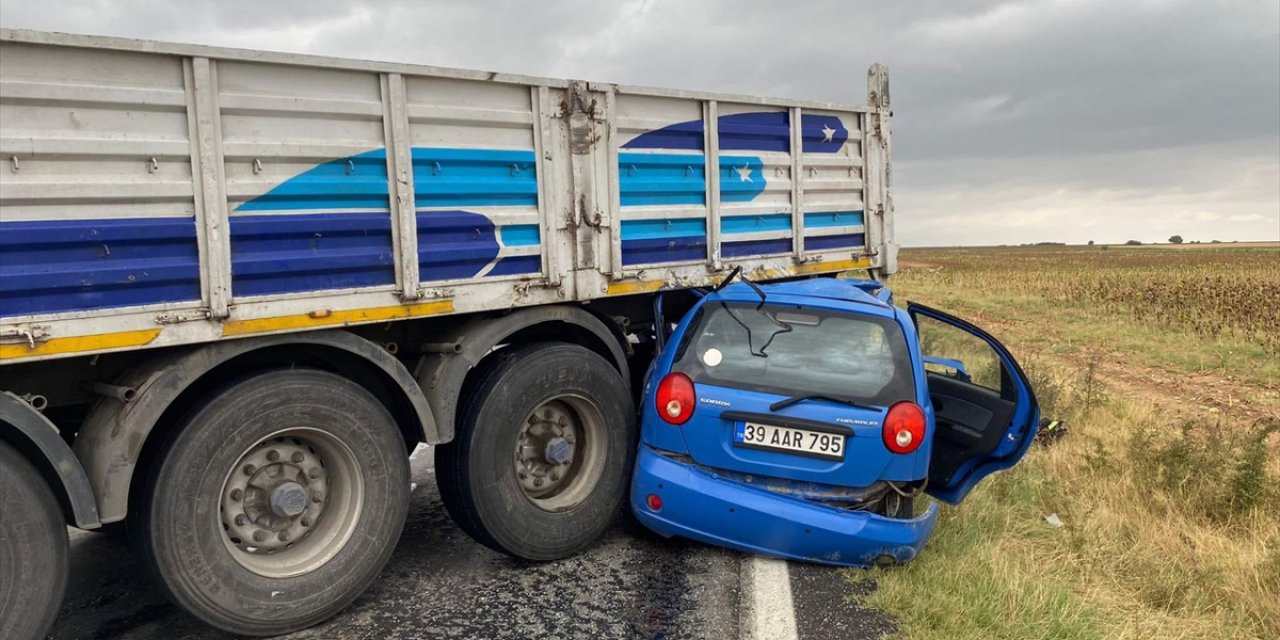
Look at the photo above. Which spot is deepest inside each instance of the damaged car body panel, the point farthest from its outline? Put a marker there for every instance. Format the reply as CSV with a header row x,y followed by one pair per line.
x,y
799,420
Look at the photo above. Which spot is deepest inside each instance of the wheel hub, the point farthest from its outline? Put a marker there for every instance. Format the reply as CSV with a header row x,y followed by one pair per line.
x,y
545,449
274,496
558,451
288,500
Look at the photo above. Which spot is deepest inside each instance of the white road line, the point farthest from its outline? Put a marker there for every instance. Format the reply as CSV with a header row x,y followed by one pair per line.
x,y
770,612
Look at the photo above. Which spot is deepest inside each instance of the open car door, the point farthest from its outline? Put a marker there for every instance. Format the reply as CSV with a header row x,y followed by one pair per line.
x,y
986,413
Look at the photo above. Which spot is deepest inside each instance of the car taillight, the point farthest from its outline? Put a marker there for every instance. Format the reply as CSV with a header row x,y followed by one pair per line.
x,y
903,427
675,398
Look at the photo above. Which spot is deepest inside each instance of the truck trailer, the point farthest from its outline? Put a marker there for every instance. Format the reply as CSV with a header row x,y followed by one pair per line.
x,y
239,287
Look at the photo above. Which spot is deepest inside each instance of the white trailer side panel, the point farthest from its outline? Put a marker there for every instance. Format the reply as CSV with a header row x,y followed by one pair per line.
x,y
161,194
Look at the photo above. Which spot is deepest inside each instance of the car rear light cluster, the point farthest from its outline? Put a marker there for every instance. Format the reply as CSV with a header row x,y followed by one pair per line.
x,y
675,398
903,429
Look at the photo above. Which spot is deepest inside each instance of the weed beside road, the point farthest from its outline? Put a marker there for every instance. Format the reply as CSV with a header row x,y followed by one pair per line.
x,y
1168,496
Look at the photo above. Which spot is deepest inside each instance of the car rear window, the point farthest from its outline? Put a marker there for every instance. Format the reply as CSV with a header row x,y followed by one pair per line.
x,y
791,351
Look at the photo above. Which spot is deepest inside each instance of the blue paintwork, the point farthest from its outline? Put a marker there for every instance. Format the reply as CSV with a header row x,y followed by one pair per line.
x,y
354,182
706,500
841,241
454,244
646,179
329,226
832,219
733,186
758,131
708,508
347,243
72,265
517,265
663,240
444,177
520,235
310,252
729,249
676,179
755,223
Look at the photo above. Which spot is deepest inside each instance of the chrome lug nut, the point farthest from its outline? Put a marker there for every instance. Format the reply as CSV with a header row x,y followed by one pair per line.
x,y
249,469
313,473
297,457
306,522
240,520
537,482
283,537
259,535
236,494
273,455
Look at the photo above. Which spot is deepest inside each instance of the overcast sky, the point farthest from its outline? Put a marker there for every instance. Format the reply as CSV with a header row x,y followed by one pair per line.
x,y
1014,122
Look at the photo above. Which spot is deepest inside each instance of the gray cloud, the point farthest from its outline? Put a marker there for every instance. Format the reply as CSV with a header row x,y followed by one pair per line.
x,y
1014,122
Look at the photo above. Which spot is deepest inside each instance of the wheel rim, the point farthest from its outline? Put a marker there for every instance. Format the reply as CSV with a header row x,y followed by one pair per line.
x,y
291,502
559,451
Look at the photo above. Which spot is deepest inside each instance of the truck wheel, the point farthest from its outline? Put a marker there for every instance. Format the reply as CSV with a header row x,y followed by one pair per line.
x,y
33,550
542,456
276,502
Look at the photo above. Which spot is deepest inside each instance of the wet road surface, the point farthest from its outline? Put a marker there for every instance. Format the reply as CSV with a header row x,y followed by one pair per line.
x,y
441,584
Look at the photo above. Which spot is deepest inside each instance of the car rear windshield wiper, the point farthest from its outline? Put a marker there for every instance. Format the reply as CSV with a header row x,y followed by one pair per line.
x,y
783,404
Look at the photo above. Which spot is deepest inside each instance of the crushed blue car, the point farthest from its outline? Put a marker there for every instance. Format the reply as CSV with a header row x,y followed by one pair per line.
x,y
803,419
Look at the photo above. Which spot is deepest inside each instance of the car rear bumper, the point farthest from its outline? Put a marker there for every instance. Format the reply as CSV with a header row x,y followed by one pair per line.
x,y
704,507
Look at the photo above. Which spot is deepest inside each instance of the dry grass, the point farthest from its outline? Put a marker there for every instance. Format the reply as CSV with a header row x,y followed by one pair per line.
x,y
1171,523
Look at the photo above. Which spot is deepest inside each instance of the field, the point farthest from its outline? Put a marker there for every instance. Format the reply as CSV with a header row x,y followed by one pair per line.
x,y
1164,366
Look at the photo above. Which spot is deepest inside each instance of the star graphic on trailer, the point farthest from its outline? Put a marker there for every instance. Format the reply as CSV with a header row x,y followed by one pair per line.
x,y
828,132
744,173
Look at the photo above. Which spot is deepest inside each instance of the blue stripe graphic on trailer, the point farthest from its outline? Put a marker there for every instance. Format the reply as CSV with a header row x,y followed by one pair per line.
x,y
71,265
354,182
442,177
310,252
682,135
516,265
755,247
755,223
760,131
661,179
454,244
754,131
474,177
519,235
663,228
822,134
844,241
741,178
832,219
670,249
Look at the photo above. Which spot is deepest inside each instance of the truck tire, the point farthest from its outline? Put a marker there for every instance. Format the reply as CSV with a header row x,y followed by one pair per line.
x,y
33,550
542,456
276,502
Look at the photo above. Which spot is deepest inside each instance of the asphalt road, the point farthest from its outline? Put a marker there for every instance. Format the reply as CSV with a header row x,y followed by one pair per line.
x,y
441,584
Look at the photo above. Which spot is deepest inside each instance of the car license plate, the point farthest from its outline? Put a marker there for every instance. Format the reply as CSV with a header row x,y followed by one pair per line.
x,y
799,441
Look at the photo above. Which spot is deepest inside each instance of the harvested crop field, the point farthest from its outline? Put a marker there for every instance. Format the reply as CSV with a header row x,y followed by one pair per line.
x,y
1164,489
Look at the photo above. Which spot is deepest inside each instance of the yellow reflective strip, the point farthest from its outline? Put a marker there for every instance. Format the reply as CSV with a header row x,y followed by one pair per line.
x,y
76,344
825,267
634,286
645,286
326,317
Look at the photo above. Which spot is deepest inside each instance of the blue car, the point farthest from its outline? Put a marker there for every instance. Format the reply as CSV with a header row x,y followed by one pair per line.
x,y
801,419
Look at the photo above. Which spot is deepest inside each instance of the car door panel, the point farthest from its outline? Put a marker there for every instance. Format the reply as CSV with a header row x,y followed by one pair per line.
x,y
969,418
978,430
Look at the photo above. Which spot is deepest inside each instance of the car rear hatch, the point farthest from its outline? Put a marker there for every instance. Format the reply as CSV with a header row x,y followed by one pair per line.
x,y
745,359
